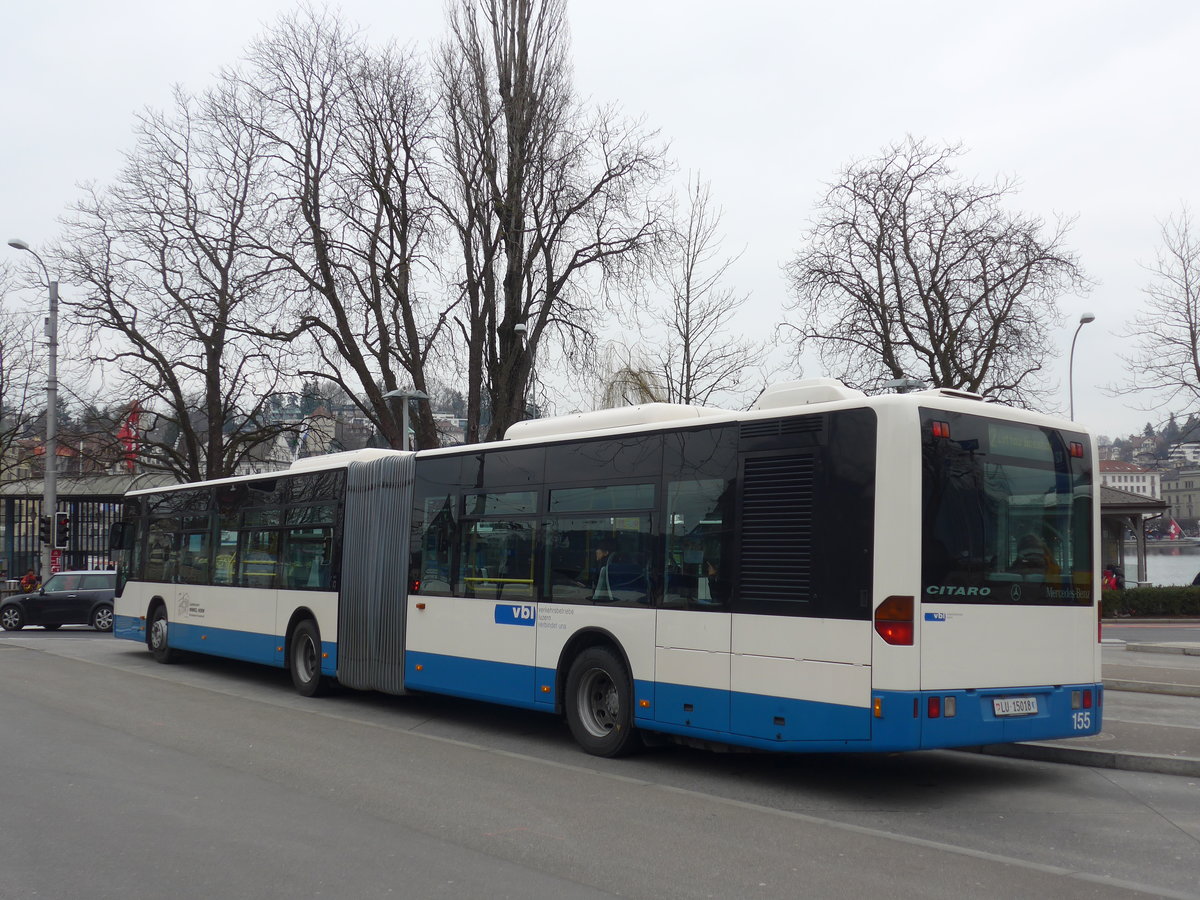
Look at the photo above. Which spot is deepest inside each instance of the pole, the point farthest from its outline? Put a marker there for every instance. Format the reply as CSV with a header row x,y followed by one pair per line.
x,y
50,479
404,424
1083,320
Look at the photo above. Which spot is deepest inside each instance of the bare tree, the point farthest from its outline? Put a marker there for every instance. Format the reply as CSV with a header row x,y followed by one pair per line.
x,y
547,200
701,355
172,293
1166,354
628,376
349,133
911,271
22,388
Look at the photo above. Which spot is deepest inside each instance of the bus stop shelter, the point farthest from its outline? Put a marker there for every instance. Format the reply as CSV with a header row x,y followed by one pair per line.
x,y
1121,512
93,502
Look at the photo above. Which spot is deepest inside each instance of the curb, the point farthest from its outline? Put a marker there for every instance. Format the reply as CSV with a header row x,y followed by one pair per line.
x,y
1187,649
1152,687
1100,759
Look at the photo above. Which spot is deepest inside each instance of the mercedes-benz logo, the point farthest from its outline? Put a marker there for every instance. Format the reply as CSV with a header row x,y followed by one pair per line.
x,y
1015,593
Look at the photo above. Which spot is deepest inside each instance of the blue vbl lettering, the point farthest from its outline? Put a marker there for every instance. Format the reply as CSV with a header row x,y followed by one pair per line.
x,y
515,614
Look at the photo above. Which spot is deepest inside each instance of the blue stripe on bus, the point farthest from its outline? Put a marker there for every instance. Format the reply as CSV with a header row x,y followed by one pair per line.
x,y
778,723
476,679
760,721
131,628
975,721
243,645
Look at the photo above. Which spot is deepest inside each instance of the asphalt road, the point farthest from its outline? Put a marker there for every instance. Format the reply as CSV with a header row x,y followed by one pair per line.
x,y
122,778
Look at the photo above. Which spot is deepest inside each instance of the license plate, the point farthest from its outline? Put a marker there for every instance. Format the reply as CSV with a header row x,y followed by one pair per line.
x,y
1015,706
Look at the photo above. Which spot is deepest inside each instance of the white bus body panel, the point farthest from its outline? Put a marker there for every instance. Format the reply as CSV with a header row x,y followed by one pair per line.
x,y
974,645
820,660
692,647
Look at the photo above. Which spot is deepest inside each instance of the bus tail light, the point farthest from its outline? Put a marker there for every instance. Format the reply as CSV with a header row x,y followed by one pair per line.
x,y
894,621
935,707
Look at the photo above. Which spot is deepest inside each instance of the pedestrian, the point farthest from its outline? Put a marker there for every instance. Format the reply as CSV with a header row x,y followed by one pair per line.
x,y
30,582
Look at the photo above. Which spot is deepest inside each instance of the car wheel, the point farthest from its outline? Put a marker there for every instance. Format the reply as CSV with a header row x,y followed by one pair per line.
x,y
52,627
156,636
304,659
11,618
102,618
599,704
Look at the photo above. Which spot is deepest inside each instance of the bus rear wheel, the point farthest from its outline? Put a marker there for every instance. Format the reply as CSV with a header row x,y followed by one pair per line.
x,y
599,703
304,659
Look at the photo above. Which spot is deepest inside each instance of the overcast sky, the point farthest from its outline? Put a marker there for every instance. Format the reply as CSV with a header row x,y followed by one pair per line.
x,y
1091,105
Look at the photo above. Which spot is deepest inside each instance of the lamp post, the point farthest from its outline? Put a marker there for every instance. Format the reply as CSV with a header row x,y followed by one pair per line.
x,y
50,479
406,396
1083,320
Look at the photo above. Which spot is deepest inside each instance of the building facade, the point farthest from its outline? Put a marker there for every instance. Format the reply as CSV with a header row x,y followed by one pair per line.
x,y
1181,489
1129,477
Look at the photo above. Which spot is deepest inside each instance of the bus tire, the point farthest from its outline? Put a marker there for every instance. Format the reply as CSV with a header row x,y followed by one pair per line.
x,y
156,636
599,703
304,659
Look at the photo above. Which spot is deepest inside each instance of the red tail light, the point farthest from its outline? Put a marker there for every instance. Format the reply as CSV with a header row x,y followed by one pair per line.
x,y
414,587
935,707
1087,699
894,621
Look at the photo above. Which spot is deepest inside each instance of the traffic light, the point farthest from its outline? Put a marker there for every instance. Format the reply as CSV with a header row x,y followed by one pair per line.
x,y
44,529
62,529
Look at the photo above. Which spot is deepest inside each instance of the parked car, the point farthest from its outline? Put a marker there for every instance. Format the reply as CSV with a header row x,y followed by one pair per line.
x,y
67,598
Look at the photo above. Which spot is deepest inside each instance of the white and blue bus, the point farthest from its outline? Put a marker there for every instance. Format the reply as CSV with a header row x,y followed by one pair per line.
x,y
825,572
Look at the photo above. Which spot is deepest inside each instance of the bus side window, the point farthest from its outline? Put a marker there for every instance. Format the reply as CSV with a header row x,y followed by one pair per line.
x,y
258,561
697,534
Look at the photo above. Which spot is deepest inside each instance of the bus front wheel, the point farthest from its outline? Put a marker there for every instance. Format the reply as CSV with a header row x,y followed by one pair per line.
x,y
304,659
599,703
156,636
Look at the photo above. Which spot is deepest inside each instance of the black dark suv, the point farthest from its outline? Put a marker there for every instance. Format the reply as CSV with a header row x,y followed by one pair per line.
x,y
67,598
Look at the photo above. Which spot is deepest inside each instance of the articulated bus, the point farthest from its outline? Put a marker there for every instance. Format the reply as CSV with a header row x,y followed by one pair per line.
x,y
828,571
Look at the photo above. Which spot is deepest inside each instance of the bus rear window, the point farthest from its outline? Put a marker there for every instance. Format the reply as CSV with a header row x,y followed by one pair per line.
x,y
1006,512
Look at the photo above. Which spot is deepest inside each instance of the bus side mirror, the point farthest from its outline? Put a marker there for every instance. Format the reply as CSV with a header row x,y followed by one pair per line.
x,y
120,536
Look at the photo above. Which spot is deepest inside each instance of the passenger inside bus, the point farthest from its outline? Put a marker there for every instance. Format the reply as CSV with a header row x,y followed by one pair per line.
x,y
1034,557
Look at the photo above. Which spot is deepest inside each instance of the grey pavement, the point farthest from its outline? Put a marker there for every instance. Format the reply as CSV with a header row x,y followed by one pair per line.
x,y
1151,714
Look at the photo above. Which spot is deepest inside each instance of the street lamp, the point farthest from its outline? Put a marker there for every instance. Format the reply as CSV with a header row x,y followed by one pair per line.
x,y
1083,320
50,479
406,396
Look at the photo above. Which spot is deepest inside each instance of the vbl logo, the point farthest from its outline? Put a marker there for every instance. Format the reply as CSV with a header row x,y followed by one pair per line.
x,y
515,614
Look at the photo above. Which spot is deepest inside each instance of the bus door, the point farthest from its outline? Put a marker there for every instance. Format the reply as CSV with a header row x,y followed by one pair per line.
x,y
692,633
472,628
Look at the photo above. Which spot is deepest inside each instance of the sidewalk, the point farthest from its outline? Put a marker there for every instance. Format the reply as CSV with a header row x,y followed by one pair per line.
x,y
1151,714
